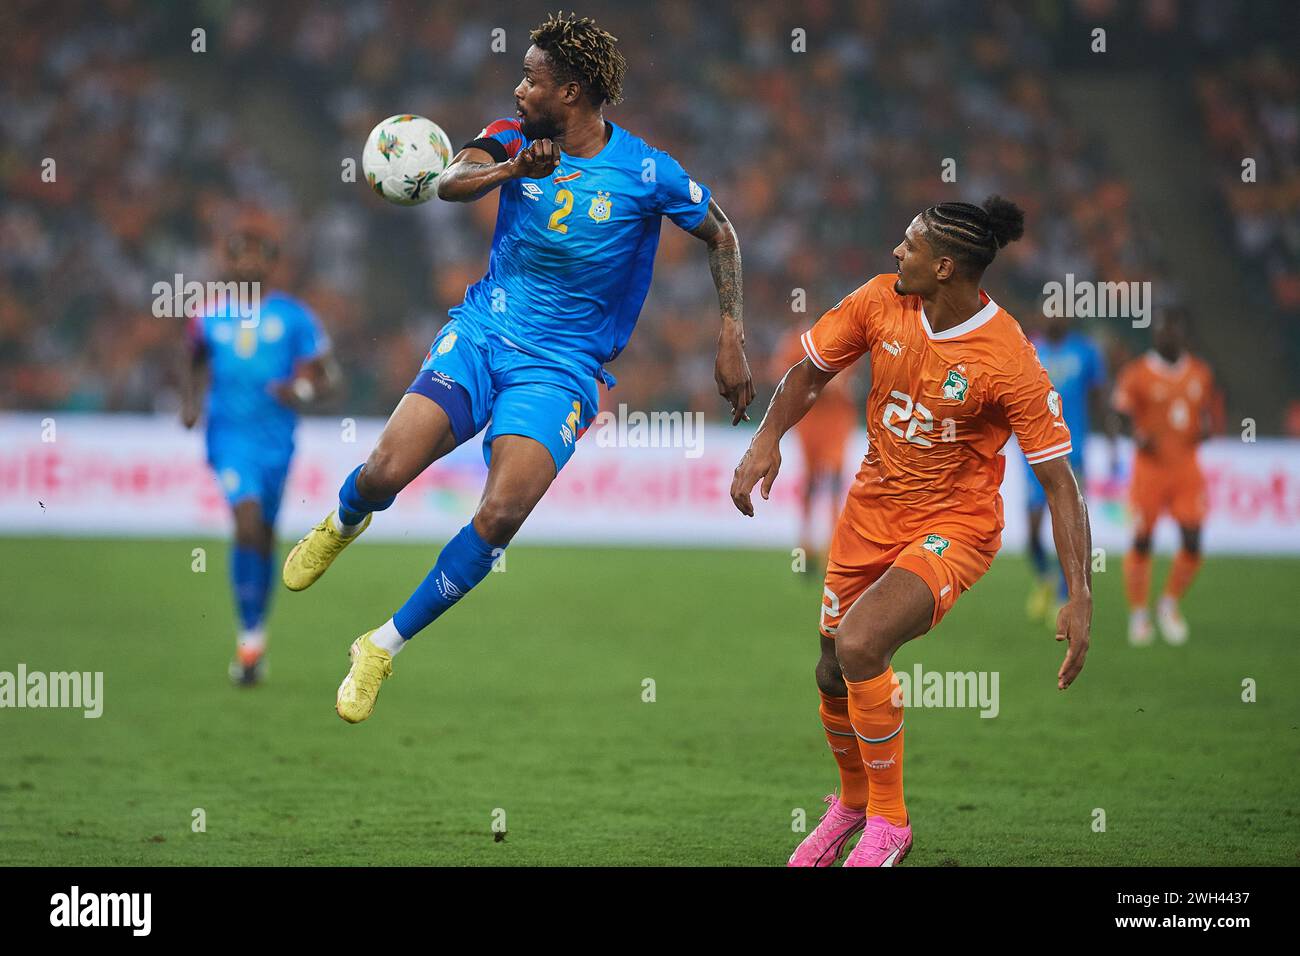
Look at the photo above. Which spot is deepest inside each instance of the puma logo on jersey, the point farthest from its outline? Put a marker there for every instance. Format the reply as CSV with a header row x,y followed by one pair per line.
x,y
893,348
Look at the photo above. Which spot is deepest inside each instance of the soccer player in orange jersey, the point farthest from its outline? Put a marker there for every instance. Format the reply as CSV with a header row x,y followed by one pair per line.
x,y
1168,395
953,377
823,435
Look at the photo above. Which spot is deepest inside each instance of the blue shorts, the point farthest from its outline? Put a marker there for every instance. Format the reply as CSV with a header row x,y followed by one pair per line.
x,y
242,476
478,377
1035,496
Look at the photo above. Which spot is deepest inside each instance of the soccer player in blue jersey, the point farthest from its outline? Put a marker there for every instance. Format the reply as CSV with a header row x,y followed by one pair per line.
x,y
1077,369
259,367
581,201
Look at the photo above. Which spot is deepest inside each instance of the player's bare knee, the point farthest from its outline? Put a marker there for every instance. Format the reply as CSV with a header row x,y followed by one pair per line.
x,y
1191,540
1142,544
497,520
830,681
861,653
382,477
250,530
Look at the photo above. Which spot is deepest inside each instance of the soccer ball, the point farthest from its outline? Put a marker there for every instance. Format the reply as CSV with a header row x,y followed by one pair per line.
x,y
403,158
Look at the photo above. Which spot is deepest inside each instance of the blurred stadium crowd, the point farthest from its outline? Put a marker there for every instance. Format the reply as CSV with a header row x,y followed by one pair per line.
x,y
820,158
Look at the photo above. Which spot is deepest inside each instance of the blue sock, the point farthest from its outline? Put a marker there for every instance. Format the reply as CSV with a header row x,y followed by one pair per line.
x,y
1038,556
251,571
352,507
463,563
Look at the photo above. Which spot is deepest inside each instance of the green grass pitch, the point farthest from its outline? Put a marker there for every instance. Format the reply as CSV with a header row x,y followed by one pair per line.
x,y
527,699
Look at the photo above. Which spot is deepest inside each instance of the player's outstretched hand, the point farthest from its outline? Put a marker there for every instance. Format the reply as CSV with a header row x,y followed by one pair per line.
x,y
761,461
1073,624
731,372
536,161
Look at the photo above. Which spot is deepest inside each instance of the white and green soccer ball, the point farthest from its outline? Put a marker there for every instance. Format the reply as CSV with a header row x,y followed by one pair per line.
x,y
403,158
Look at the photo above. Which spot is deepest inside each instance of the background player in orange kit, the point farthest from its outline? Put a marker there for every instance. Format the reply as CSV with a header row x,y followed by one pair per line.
x,y
953,376
1169,397
823,435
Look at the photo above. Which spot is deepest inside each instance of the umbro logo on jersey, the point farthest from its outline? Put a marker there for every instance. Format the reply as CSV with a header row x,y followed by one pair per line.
x,y
533,191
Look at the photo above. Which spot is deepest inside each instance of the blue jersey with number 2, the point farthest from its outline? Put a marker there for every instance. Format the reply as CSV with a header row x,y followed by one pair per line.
x,y
573,253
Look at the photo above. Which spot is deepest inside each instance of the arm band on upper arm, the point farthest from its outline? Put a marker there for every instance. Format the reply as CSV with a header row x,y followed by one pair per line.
x,y
490,146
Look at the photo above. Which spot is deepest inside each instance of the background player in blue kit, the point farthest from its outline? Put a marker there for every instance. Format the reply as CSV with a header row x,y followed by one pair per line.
x,y
260,369
581,201
1077,369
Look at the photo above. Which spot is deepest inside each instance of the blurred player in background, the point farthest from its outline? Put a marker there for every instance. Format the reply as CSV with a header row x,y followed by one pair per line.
x,y
257,372
1169,397
823,436
577,229
953,377
1077,368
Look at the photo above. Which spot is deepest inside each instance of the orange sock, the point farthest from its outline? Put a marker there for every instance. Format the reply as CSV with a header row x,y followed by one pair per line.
x,y
844,745
879,727
1181,574
1137,578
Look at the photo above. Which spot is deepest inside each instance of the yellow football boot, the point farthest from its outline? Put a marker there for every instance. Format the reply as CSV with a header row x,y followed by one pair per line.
x,y
371,666
1042,600
315,552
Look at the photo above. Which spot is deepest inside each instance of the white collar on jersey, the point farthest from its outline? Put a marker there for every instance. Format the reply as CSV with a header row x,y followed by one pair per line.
x,y
1159,363
970,325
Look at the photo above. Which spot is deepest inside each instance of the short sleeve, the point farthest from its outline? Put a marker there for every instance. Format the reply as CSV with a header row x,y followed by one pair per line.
x,y
846,332
1033,409
677,196
501,139
311,340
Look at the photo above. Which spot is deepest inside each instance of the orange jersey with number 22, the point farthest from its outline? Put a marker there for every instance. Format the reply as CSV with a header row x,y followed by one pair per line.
x,y
941,408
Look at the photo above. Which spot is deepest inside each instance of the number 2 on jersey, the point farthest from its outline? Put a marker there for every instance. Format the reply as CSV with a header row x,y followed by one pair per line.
x,y
564,198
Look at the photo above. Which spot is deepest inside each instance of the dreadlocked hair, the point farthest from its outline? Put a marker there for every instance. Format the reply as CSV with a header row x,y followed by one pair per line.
x,y
973,234
582,52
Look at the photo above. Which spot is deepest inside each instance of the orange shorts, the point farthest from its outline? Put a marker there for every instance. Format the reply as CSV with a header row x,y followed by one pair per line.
x,y
948,566
1156,489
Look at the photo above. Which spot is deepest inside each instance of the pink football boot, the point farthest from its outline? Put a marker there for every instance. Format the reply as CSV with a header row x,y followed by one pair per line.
x,y
882,844
824,845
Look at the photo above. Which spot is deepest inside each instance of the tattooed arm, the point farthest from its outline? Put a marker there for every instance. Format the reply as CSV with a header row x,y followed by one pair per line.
x,y
731,372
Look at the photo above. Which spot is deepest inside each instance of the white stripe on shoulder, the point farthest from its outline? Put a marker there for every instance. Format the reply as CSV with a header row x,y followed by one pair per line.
x,y
811,351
